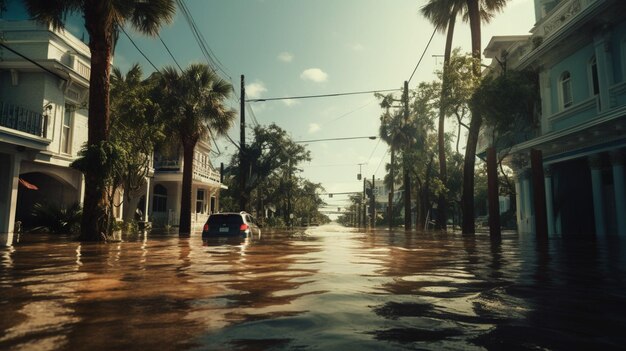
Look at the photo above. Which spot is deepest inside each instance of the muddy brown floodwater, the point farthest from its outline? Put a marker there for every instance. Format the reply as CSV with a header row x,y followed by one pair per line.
x,y
325,288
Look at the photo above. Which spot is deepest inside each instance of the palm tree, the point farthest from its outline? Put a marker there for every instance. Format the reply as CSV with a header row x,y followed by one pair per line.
x,y
193,103
442,14
102,18
398,133
475,10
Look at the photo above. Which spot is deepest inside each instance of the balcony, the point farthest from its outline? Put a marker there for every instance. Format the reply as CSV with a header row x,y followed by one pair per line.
x,y
21,119
560,16
202,173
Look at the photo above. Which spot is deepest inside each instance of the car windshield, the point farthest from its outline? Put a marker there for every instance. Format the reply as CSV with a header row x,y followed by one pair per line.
x,y
225,219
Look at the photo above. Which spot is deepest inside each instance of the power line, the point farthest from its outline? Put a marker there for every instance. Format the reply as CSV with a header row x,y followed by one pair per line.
x,y
423,53
208,54
334,139
33,62
138,49
322,95
381,161
372,154
169,52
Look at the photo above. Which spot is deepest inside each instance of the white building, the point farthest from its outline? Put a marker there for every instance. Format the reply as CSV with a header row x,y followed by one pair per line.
x,y
44,84
43,122
166,188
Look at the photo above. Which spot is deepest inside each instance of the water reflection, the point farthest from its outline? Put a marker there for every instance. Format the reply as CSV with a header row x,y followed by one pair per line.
x,y
324,288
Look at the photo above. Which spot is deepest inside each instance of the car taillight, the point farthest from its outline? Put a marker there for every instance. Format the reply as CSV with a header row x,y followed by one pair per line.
x,y
206,227
243,227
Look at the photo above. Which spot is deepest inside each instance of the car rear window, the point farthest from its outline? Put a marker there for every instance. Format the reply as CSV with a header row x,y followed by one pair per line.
x,y
218,219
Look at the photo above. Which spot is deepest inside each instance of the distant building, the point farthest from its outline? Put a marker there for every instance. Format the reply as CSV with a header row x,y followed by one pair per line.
x,y
578,48
166,187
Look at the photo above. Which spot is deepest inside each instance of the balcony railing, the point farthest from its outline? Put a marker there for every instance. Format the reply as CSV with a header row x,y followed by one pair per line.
x,y
564,12
200,172
24,120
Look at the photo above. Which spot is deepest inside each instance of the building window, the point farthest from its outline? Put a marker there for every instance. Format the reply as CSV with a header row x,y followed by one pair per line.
x,y
200,201
566,90
595,83
159,199
66,130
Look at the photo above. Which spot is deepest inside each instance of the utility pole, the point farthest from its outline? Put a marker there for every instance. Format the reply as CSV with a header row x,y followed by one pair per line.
x,y
364,204
242,148
407,179
373,208
391,190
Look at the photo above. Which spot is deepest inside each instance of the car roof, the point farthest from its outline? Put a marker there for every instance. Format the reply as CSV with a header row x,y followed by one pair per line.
x,y
230,213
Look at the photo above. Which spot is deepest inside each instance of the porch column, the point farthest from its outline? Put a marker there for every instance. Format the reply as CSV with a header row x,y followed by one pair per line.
x,y
605,66
146,217
549,200
598,201
518,201
81,190
617,160
10,183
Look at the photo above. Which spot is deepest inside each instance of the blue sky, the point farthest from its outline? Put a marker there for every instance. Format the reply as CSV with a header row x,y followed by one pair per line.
x,y
298,47
302,47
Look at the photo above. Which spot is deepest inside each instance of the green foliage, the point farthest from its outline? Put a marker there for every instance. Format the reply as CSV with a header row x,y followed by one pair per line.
x,y
508,103
51,218
273,182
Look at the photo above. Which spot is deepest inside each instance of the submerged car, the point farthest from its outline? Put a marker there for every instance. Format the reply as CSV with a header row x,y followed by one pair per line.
x,y
229,224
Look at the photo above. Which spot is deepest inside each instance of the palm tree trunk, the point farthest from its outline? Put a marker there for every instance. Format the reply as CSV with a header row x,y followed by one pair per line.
x,y
467,200
94,219
184,227
442,217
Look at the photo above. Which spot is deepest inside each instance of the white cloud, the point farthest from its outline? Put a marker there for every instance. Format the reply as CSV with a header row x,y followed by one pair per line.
x,y
314,127
357,47
314,75
290,102
285,56
255,89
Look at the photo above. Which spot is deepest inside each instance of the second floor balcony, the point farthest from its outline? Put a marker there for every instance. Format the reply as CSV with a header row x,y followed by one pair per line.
x,y
18,118
201,172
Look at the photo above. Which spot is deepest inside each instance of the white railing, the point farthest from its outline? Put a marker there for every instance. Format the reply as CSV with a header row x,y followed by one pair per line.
x,y
564,13
200,172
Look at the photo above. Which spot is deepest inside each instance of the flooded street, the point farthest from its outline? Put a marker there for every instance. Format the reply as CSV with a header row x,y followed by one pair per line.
x,y
326,288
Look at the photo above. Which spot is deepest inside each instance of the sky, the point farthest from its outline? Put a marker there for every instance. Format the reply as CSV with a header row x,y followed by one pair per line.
x,y
310,47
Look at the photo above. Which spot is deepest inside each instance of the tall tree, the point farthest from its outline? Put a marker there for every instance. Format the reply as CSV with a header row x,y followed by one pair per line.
x,y
192,101
442,14
102,19
474,10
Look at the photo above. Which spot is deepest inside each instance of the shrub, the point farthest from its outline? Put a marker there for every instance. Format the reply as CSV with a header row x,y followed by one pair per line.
x,y
52,218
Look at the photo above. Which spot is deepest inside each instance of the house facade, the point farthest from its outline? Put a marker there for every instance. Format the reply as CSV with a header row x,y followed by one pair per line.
x,y
578,49
166,187
44,83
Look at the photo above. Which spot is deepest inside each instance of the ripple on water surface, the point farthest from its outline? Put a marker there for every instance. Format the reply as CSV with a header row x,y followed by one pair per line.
x,y
323,288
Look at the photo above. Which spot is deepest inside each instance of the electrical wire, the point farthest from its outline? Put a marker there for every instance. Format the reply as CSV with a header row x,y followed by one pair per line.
x,y
208,54
322,95
138,49
381,161
423,53
169,52
32,61
372,154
